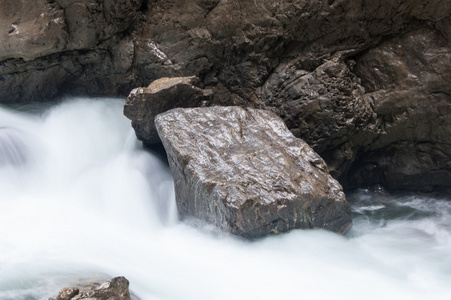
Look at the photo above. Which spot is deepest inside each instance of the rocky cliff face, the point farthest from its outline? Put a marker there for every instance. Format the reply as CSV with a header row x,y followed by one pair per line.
x,y
408,145
364,82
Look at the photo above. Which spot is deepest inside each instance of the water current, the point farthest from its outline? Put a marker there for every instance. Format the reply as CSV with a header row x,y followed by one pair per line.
x,y
80,199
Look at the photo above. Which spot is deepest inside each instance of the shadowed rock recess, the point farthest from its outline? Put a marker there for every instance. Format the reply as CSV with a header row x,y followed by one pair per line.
x,y
244,171
365,83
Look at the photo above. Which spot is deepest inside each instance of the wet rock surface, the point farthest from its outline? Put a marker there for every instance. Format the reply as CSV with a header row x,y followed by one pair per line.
x,y
243,171
326,107
143,104
408,145
379,118
114,289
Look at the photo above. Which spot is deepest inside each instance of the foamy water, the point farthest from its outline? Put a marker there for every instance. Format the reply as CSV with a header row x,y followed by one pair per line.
x,y
79,198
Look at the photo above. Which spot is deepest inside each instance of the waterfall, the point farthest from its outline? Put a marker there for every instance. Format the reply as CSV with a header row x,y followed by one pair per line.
x,y
80,198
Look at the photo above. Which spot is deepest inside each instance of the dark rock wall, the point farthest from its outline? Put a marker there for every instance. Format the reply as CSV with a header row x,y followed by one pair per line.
x,y
407,82
77,46
363,82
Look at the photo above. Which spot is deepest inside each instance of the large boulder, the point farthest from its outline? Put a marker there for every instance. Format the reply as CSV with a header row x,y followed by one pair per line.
x,y
244,171
143,104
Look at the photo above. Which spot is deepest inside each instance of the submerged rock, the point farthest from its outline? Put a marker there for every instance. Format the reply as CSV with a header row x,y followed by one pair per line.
x,y
143,104
116,288
244,171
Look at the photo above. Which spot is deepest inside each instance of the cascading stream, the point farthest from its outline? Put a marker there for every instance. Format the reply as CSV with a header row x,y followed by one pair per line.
x,y
79,198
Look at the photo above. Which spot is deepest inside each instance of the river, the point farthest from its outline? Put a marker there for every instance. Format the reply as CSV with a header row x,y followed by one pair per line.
x,y
80,199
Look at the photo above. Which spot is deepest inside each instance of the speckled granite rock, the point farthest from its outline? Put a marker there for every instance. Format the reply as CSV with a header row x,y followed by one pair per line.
x,y
244,171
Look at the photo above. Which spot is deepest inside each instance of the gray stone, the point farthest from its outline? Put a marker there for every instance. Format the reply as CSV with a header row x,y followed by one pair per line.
x,y
243,171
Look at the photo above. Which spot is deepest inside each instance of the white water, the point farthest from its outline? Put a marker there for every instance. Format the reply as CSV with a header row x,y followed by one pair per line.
x,y
79,198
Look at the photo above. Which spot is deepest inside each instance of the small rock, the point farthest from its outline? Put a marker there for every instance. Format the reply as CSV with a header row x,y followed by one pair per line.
x,y
115,289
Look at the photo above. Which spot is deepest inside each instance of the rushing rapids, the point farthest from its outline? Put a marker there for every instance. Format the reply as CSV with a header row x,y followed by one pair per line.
x,y
79,199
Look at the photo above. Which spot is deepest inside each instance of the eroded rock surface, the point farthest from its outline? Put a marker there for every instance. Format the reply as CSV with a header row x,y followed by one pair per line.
x,y
382,117
326,107
243,171
407,80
